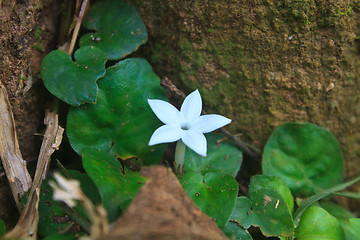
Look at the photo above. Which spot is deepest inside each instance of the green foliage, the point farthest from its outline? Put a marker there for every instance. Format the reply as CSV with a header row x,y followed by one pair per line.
x,y
222,157
262,181
271,213
323,194
53,215
2,228
214,193
307,157
234,231
117,185
110,121
347,220
316,223
74,82
266,209
355,229
119,28
60,237
241,212
121,122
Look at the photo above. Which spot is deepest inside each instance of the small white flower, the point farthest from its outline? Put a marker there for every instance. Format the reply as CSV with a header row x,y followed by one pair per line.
x,y
66,190
186,124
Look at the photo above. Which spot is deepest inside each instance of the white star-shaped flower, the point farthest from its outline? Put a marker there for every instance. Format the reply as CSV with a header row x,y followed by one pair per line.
x,y
66,190
186,124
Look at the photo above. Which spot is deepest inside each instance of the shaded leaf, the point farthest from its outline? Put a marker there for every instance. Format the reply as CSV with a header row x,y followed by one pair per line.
x,y
60,237
271,213
316,223
215,194
355,226
119,28
311,200
2,228
221,157
345,217
89,189
261,181
337,211
121,122
117,186
52,218
234,231
242,211
74,82
307,157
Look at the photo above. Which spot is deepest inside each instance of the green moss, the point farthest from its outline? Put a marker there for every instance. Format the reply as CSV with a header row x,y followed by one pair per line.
x,y
159,50
244,58
39,34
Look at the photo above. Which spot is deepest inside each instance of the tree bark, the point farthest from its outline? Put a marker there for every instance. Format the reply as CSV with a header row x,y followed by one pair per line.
x,y
264,62
27,32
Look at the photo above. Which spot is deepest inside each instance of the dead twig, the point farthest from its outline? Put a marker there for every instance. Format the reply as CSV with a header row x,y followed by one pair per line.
x,y
12,161
26,228
80,17
246,148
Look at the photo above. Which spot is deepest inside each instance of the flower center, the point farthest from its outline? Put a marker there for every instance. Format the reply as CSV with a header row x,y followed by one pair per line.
x,y
185,126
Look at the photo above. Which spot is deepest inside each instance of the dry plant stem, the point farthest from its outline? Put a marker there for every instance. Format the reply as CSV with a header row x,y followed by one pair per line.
x,y
83,8
250,150
12,161
26,228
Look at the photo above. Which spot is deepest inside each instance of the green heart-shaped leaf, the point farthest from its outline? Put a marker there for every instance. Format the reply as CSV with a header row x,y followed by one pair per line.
x,y
215,194
261,181
346,219
221,157
271,213
117,186
316,223
234,231
119,28
74,82
241,212
121,122
355,226
307,157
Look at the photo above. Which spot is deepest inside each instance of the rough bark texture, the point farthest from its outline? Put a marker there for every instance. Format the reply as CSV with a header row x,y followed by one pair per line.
x,y
27,30
264,62
162,210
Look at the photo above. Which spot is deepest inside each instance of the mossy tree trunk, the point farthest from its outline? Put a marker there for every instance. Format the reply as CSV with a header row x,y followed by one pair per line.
x,y
264,62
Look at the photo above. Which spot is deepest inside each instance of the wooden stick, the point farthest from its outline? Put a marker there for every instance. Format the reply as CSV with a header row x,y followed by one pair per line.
x,y
12,161
77,26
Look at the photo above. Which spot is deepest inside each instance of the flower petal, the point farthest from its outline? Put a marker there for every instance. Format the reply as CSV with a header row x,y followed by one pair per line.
x,y
210,122
166,134
196,141
166,112
191,107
